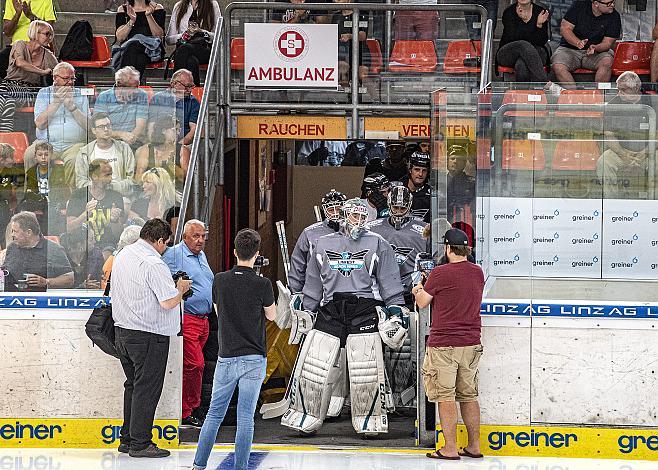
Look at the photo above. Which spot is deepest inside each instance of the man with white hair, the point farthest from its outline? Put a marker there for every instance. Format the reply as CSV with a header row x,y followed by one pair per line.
x,y
126,105
60,116
622,169
188,256
177,99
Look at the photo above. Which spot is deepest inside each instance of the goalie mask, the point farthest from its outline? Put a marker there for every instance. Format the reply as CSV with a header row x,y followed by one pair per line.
x,y
332,203
355,213
399,205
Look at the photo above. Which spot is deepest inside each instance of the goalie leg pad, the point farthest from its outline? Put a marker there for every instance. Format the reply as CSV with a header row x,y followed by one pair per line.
x,y
301,323
283,314
314,377
340,389
365,363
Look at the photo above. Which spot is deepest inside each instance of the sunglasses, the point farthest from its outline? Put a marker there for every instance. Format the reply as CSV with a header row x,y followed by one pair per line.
x,y
607,3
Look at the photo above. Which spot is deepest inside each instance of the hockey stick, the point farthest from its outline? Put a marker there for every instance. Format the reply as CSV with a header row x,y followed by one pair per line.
x,y
283,245
318,216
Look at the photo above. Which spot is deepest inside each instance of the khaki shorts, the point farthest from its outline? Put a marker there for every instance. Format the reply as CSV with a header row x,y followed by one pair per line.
x,y
451,373
578,59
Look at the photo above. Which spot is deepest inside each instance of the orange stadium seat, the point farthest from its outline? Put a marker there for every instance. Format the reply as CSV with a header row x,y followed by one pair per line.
x,y
483,154
457,52
18,140
197,92
100,55
531,97
583,97
579,155
523,155
413,56
237,54
634,57
376,61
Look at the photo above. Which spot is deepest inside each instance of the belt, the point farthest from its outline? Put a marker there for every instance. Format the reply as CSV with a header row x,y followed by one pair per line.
x,y
203,316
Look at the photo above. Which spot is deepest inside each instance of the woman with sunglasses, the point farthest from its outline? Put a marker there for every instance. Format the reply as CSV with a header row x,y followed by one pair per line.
x,y
159,195
30,66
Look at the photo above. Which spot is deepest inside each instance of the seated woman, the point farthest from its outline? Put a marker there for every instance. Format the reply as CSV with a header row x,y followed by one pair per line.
x,y
158,196
162,152
30,65
139,31
523,44
191,28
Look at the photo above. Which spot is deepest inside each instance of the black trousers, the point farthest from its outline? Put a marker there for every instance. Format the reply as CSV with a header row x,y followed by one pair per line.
x,y
144,360
190,56
527,59
135,55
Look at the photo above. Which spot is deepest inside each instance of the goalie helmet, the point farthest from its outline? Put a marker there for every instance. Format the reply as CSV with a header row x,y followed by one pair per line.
x,y
399,205
355,214
419,159
332,202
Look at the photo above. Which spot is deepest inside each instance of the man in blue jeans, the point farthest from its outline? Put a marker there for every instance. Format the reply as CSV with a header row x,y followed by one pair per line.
x,y
243,300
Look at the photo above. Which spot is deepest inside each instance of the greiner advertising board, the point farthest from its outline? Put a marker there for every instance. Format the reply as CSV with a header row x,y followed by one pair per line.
x,y
291,56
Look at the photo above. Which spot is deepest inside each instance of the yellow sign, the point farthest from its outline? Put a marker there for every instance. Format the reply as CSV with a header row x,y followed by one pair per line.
x,y
460,129
396,128
76,433
558,441
292,127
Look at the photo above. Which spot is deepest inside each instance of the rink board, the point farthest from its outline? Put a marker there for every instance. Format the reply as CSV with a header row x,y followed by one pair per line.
x,y
557,441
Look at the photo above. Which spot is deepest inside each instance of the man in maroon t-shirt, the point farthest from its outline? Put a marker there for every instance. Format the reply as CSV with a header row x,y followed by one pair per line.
x,y
453,348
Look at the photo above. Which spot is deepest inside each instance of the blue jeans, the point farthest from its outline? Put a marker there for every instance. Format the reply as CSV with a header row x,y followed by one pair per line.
x,y
248,373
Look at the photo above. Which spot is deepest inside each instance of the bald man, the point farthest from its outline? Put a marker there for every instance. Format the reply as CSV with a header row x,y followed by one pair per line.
x,y
188,256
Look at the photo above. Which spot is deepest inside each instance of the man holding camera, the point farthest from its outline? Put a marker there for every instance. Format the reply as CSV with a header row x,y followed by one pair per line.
x,y
243,299
450,368
188,256
145,303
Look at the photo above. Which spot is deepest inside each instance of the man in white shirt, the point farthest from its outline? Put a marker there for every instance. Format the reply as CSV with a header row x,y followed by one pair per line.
x,y
116,152
145,308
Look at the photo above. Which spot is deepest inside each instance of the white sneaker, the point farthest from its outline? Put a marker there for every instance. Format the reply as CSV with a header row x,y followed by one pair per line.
x,y
553,88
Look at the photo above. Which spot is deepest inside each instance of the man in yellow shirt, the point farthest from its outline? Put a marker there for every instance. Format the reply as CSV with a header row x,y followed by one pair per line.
x,y
18,15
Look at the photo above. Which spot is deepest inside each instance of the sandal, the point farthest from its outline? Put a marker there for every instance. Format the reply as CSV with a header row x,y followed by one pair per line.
x,y
466,453
439,455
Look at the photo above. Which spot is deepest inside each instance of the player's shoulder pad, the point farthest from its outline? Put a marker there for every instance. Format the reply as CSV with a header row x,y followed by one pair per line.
x,y
314,226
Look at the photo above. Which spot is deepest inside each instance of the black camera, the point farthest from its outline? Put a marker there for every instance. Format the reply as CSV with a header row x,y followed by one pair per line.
x,y
261,261
425,263
183,275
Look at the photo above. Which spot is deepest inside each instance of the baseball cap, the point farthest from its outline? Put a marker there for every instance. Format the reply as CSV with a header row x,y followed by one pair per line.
x,y
455,237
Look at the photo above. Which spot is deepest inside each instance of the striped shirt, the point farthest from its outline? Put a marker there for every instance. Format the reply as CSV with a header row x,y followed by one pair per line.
x,y
140,281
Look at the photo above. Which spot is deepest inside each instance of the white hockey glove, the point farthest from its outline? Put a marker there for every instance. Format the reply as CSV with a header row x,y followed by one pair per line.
x,y
391,325
283,314
301,320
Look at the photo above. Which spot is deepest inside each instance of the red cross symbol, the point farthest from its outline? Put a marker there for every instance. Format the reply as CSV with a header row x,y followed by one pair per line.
x,y
291,44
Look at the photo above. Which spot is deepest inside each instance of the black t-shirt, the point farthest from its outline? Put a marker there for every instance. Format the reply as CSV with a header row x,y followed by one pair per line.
x,y
99,221
515,29
240,295
631,129
47,259
590,27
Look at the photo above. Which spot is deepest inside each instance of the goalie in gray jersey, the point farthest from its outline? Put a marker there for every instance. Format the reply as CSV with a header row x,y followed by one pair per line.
x,y
405,234
353,283
332,204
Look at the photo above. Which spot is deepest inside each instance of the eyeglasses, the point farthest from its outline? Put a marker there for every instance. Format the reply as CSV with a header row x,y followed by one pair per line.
x,y
66,79
49,34
187,86
104,127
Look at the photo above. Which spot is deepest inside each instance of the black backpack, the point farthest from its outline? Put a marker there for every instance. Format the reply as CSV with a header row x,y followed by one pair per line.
x,y
78,42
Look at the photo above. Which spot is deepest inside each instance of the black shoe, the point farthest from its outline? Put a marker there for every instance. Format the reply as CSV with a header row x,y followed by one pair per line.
x,y
191,421
152,451
124,448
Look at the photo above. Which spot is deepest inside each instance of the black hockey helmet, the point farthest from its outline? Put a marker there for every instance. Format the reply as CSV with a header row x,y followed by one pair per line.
x,y
399,205
375,182
419,159
333,200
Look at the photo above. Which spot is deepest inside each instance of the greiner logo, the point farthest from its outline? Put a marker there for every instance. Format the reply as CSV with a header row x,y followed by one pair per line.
x,y
546,216
584,217
628,444
585,241
585,264
29,431
625,218
556,440
625,241
506,262
507,239
546,240
111,433
507,216
544,262
623,264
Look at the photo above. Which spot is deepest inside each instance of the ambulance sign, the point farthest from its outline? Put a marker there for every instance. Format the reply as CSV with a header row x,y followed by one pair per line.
x,y
291,56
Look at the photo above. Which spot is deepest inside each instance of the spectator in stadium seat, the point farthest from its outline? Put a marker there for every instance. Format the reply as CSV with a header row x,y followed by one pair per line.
x,y
177,99
417,25
394,166
60,116
116,152
16,22
623,166
524,44
298,16
190,23
140,28
159,195
126,105
161,152
11,179
589,32
97,206
85,257
36,261
343,18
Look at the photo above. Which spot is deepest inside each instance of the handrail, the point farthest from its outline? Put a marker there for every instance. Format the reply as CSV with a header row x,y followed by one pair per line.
x,y
487,46
202,123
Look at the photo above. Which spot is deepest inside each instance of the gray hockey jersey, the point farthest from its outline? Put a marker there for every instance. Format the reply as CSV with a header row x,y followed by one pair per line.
x,y
299,257
365,267
406,243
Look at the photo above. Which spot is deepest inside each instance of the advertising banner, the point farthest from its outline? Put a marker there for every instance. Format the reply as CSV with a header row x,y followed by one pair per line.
x,y
510,236
291,56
